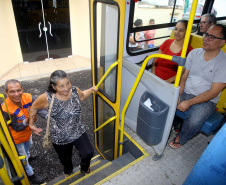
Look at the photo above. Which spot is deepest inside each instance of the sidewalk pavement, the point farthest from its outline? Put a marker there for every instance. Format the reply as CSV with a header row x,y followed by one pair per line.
x,y
35,70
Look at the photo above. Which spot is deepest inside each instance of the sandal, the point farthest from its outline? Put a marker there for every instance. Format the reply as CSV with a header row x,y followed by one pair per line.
x,y
88,172
66,176
173,143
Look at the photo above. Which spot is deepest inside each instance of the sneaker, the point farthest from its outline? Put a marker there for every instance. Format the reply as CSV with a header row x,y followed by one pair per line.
x,y
33,157
36,179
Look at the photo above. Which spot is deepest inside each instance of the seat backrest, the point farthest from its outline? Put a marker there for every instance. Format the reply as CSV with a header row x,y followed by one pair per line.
x,y
196,41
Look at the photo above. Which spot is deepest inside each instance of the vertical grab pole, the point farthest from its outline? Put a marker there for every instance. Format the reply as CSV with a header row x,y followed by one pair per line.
x,y
186,41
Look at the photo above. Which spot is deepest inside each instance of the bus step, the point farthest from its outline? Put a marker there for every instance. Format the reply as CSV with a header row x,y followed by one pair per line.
x,y
115,165
100,169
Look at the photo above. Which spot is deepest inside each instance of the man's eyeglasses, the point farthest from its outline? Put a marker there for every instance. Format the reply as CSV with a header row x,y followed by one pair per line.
x,y
211,37
203,22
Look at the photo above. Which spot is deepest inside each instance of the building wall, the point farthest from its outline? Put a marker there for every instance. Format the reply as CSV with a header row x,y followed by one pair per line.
x,y
9,42
80,28
10,50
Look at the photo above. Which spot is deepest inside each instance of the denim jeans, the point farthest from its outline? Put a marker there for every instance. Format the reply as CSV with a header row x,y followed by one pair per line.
x,y
196,116
150,45
23,149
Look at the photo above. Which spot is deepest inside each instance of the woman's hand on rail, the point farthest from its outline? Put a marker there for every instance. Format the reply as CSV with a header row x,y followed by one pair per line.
x,y
86,93
94,89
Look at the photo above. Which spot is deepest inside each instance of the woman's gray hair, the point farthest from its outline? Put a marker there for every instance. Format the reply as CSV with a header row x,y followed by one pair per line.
x,y
54,77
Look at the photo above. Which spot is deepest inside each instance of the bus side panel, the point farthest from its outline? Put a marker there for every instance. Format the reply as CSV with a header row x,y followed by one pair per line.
x,y
154,85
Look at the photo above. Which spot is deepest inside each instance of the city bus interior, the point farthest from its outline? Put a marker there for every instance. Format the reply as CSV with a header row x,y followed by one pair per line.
x,y
130,151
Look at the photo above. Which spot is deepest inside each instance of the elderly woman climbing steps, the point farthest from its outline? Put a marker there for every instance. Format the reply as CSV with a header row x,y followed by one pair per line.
x,y
66,128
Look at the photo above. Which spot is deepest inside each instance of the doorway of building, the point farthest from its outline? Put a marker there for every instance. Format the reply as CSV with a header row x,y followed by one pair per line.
x,y
43,28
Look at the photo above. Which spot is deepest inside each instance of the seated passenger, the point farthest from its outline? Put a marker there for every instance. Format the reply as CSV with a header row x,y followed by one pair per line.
x,y
166,69
207,20
150,34
201,84
133,45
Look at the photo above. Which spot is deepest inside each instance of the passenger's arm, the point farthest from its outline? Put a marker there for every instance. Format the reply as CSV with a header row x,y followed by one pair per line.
x,y
183,79
15,125
131,38
215,89
43,113
86,93
40,103
153,63
172,79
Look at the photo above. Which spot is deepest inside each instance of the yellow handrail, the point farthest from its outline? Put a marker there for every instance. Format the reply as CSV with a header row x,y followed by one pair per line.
x,y
3,173
106,73
12,158
186,41
168,57
105,123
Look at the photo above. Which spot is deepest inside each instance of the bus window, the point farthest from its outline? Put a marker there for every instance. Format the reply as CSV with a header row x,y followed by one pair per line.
x,y
106,24
220,12
155,12
164,13
160,11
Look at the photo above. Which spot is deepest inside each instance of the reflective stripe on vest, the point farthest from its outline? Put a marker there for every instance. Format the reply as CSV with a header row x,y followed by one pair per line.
x,y
20,114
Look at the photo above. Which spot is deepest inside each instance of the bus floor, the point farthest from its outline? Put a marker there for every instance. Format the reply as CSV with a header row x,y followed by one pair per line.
x,y
172,168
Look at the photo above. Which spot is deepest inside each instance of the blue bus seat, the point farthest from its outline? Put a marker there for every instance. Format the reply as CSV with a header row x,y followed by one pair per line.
x,y
210,168
211,124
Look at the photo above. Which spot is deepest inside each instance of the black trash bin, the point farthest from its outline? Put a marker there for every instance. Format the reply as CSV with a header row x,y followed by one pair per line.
x,y
151,121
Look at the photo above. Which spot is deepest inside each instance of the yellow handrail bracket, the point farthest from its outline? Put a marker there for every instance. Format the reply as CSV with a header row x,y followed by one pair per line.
x,y
105,123
106,73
